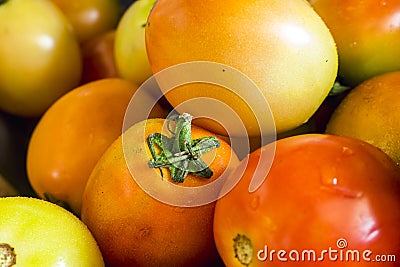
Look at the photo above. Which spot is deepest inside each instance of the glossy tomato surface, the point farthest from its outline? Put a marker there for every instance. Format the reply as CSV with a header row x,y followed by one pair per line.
x,y
134,228
90,18
283,47
325,198
40,58
367,34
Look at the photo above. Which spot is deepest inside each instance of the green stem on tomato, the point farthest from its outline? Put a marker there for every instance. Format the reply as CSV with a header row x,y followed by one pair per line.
x,y
180,153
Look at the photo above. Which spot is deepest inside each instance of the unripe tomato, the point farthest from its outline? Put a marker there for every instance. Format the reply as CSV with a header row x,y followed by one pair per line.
x,y
40,57
130,48
284,47
35,232
90,18
367,34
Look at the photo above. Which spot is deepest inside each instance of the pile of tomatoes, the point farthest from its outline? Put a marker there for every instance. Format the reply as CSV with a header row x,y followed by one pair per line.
x,y
200,133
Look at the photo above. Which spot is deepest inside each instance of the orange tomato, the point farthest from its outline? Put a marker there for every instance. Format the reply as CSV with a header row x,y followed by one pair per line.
x,y
73,134
283,47
134,229
98,58
90,18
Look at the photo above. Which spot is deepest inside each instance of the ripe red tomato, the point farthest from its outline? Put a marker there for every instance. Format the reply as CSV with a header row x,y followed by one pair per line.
x,y
322,192
367,35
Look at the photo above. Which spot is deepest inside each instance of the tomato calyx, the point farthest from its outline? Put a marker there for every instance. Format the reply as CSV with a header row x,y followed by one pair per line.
x,y
180,153
243,249
8,257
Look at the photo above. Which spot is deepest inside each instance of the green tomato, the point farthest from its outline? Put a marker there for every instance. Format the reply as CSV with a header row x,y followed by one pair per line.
x,y
130,47
40,56
35,232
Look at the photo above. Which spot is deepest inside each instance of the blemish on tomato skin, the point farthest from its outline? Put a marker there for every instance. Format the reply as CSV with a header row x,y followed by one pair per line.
x,y
144,232
8,257
243,249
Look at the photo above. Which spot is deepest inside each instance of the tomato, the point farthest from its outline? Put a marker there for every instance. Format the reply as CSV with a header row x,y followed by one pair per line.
x,y
35,232
134,228
323,193
283,47
98,58
40,57
73,134
367,34
130,48
90,18
371,112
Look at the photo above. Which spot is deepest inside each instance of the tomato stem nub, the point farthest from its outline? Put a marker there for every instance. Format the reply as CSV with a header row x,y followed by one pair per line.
x,y
180,153
243,249
8,257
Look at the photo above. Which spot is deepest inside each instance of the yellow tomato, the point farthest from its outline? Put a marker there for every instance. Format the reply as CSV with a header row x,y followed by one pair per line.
x,y
40,57
130,48
73,134
35,232
90,17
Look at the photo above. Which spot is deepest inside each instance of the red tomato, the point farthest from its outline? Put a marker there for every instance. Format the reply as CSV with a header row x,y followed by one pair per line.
x,y
98,58
335,196
367,35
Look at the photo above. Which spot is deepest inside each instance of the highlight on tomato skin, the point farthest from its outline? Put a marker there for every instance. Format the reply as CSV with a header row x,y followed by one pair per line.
x,y
321,190
283,47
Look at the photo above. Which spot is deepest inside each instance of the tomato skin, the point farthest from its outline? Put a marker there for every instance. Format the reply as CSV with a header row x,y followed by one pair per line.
x,y
40,58
371,112
320,188
134,229
90,17
98,58
130,47
72,135
44,234
367,35
284,48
